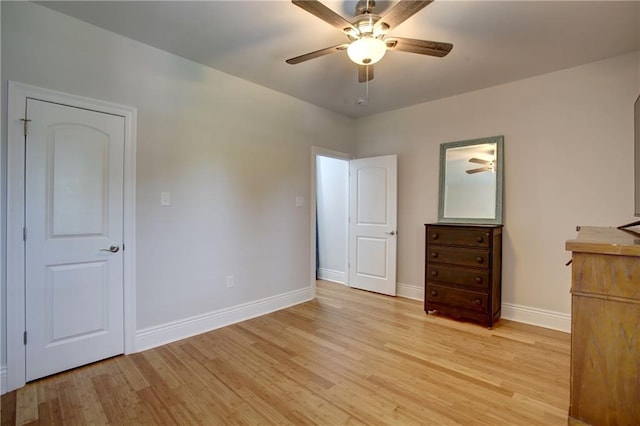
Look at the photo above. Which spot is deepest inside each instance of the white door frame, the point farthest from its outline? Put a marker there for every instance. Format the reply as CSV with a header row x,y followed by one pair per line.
x,y
15,257
323,152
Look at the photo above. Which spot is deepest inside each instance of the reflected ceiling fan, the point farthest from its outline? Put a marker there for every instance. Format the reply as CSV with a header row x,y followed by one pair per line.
x,y
487,166
367,33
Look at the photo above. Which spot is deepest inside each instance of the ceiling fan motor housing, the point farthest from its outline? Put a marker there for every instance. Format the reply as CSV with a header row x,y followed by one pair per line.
x,y
366,25
365,6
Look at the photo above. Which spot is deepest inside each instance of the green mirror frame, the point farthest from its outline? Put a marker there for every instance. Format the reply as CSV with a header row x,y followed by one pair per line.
x,y
471,181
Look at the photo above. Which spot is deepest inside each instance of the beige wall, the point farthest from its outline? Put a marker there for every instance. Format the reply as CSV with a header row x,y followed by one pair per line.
x,y
568,161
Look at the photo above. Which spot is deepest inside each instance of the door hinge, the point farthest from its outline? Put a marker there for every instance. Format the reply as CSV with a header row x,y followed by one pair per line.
x,y
122,246
25,122
24,338
24,234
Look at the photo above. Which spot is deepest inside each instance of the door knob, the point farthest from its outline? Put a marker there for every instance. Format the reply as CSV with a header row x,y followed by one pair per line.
x,y
112,249
391,233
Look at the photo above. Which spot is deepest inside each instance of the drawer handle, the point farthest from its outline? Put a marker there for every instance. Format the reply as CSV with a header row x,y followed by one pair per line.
x,y
434,273
434,293
477,302
434,254
479,259
479,280
479,239
435,236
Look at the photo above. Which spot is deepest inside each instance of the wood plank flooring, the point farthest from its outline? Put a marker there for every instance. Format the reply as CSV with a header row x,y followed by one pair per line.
x,y
348,357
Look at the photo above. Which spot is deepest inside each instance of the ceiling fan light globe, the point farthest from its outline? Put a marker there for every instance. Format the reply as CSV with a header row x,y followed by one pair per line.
x,y
367,50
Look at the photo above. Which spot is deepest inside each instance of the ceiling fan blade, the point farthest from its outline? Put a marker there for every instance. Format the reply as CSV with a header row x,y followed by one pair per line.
x,y
317,53
402,11
481,169
323,12
365,73
422,47
479,161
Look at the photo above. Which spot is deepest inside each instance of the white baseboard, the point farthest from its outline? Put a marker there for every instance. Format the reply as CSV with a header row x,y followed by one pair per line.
x,y
524,314
534,316
3,380
331,275
177,330
410,291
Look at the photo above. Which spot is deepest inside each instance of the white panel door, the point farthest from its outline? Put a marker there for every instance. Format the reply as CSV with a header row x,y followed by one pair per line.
x,y
74,229
372,224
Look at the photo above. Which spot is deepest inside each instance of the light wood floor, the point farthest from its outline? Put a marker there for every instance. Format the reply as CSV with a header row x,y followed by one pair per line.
x,y
348,357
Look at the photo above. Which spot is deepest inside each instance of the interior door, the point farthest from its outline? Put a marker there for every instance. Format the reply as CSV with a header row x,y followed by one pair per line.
x,y
372,224
74,232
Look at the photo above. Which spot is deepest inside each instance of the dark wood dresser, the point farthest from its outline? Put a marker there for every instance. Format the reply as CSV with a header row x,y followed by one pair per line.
x,y
463,266
605,328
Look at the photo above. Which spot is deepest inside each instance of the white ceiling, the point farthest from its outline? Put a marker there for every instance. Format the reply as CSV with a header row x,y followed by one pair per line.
x,y
494,42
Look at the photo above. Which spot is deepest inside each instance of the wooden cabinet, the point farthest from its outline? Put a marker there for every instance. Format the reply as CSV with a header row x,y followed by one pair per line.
x,y
463,271
605,327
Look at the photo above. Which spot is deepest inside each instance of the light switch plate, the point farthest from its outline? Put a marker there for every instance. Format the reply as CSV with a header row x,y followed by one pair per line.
x,y
165,198
299,201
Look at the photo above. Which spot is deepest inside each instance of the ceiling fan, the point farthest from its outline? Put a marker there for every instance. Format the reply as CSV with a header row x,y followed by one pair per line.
x,y
367,33
487,166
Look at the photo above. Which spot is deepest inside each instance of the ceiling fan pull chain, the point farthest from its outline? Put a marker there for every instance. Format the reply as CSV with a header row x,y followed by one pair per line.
x,y
367,83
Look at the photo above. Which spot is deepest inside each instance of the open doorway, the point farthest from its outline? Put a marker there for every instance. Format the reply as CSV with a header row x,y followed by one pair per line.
x,y
354,220
330,215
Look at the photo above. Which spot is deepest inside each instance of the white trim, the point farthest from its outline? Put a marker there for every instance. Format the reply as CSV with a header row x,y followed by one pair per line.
x,y
177,330
3,380
323,152
15,302
3,165
331,275
539,317
410,291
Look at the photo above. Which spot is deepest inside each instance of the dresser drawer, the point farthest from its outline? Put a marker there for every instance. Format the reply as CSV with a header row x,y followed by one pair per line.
x,y
465,277
588,278
458,236
464,299
458,256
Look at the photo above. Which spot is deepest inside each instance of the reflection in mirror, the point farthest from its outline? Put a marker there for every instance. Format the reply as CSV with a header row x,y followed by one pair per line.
x,y
471,181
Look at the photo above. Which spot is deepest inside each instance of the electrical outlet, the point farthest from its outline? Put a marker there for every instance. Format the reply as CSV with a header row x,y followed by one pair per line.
x,y
230,282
